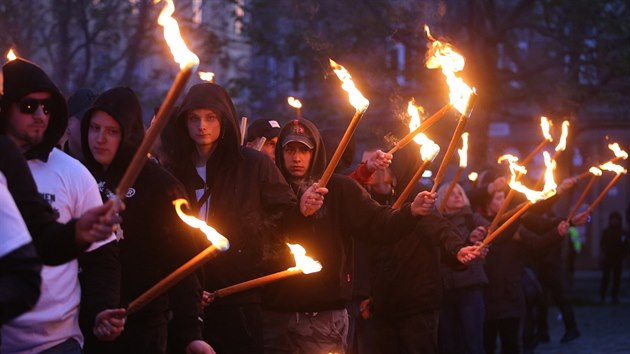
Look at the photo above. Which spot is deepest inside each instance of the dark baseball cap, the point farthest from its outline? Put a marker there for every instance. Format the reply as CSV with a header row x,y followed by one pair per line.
x,y
268,128
298,133
80,101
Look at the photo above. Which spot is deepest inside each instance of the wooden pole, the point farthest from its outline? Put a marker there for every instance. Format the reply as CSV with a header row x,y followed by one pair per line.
x,y
410,186
423,126
603,193
243,129
159,123
509,222
254,283
451,186
582,197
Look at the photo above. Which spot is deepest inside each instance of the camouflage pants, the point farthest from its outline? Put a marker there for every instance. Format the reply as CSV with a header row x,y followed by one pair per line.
x,y
305,332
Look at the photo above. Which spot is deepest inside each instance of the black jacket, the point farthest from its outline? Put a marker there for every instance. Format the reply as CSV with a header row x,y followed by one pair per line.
x,y
248,195
154,242
326,236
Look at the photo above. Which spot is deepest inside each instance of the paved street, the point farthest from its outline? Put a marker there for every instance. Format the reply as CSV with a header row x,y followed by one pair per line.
x,y
605,328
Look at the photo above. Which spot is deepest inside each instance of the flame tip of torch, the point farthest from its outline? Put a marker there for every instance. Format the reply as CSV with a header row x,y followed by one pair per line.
x,y
11,55
217,240
618,151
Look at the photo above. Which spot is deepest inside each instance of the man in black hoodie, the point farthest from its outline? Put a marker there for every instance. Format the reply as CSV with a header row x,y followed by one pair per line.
x,y
34,117
153,242
307,313
240,193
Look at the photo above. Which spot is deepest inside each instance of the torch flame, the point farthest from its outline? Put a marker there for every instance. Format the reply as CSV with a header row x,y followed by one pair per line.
x,y
357,100
562,144
206,76
463,152
213,236
596,171
549,188
11,55
302,261
473,176
183,56
414,112
545,125
294,102
609,166
443,55
618,151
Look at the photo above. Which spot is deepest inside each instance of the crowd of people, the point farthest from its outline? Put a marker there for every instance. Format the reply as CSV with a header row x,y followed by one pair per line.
x,y
394,280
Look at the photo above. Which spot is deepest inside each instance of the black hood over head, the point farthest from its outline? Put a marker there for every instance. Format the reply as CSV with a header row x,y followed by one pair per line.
x,y
318,159
21,78
227,148
123,105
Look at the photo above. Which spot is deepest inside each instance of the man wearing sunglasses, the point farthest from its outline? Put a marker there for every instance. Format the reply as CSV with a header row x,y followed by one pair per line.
x,y
33,115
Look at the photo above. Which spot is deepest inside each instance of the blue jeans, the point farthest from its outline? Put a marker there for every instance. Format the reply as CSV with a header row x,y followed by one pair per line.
x,y
305,332
461,321
70,346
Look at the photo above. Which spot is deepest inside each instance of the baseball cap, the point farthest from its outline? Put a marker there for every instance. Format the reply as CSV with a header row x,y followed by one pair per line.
x,y
297,132
268,128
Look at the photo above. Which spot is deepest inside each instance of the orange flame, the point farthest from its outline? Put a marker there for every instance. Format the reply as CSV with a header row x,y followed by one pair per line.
x,y
549,188
206,76
415,112
357,100
545,125
294,102
302,261
11,55
183,56
213,236
443,55
562,144
618,151
609,166
473,176
596,171
429,149
463,152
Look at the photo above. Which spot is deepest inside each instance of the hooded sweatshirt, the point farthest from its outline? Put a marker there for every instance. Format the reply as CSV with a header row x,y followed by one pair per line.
x,y
154,241
347,210
248,197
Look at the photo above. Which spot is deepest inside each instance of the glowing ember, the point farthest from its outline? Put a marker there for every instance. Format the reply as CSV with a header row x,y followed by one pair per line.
x,y
183,56
618,151
11,55
549,188
213,236
357,100
473,176
609,166
596,171
463,152
443,55
294,102
562,144
302,262
206,76
545,125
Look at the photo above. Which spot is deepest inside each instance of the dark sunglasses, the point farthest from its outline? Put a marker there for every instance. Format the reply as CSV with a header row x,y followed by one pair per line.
x,y
29,105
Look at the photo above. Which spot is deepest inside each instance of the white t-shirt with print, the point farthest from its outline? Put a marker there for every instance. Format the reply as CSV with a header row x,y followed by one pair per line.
x,y
13,231
71,190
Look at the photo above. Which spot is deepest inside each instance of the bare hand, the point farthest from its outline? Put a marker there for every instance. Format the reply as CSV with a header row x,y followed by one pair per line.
x,y
109,324
468,254
312,199
206,299
580,219
423,203
563,228
498,185
379,161
199,347
365,308
566,184
97,223
478,234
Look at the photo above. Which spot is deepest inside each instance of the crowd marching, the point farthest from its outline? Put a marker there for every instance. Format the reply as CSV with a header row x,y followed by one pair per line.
x,y
407,279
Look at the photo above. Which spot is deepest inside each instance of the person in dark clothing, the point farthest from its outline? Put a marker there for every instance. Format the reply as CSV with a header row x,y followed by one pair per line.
x,y
462,313
242,194
153,241
78,103
264,128
307,314
19,265
613,249
55,243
